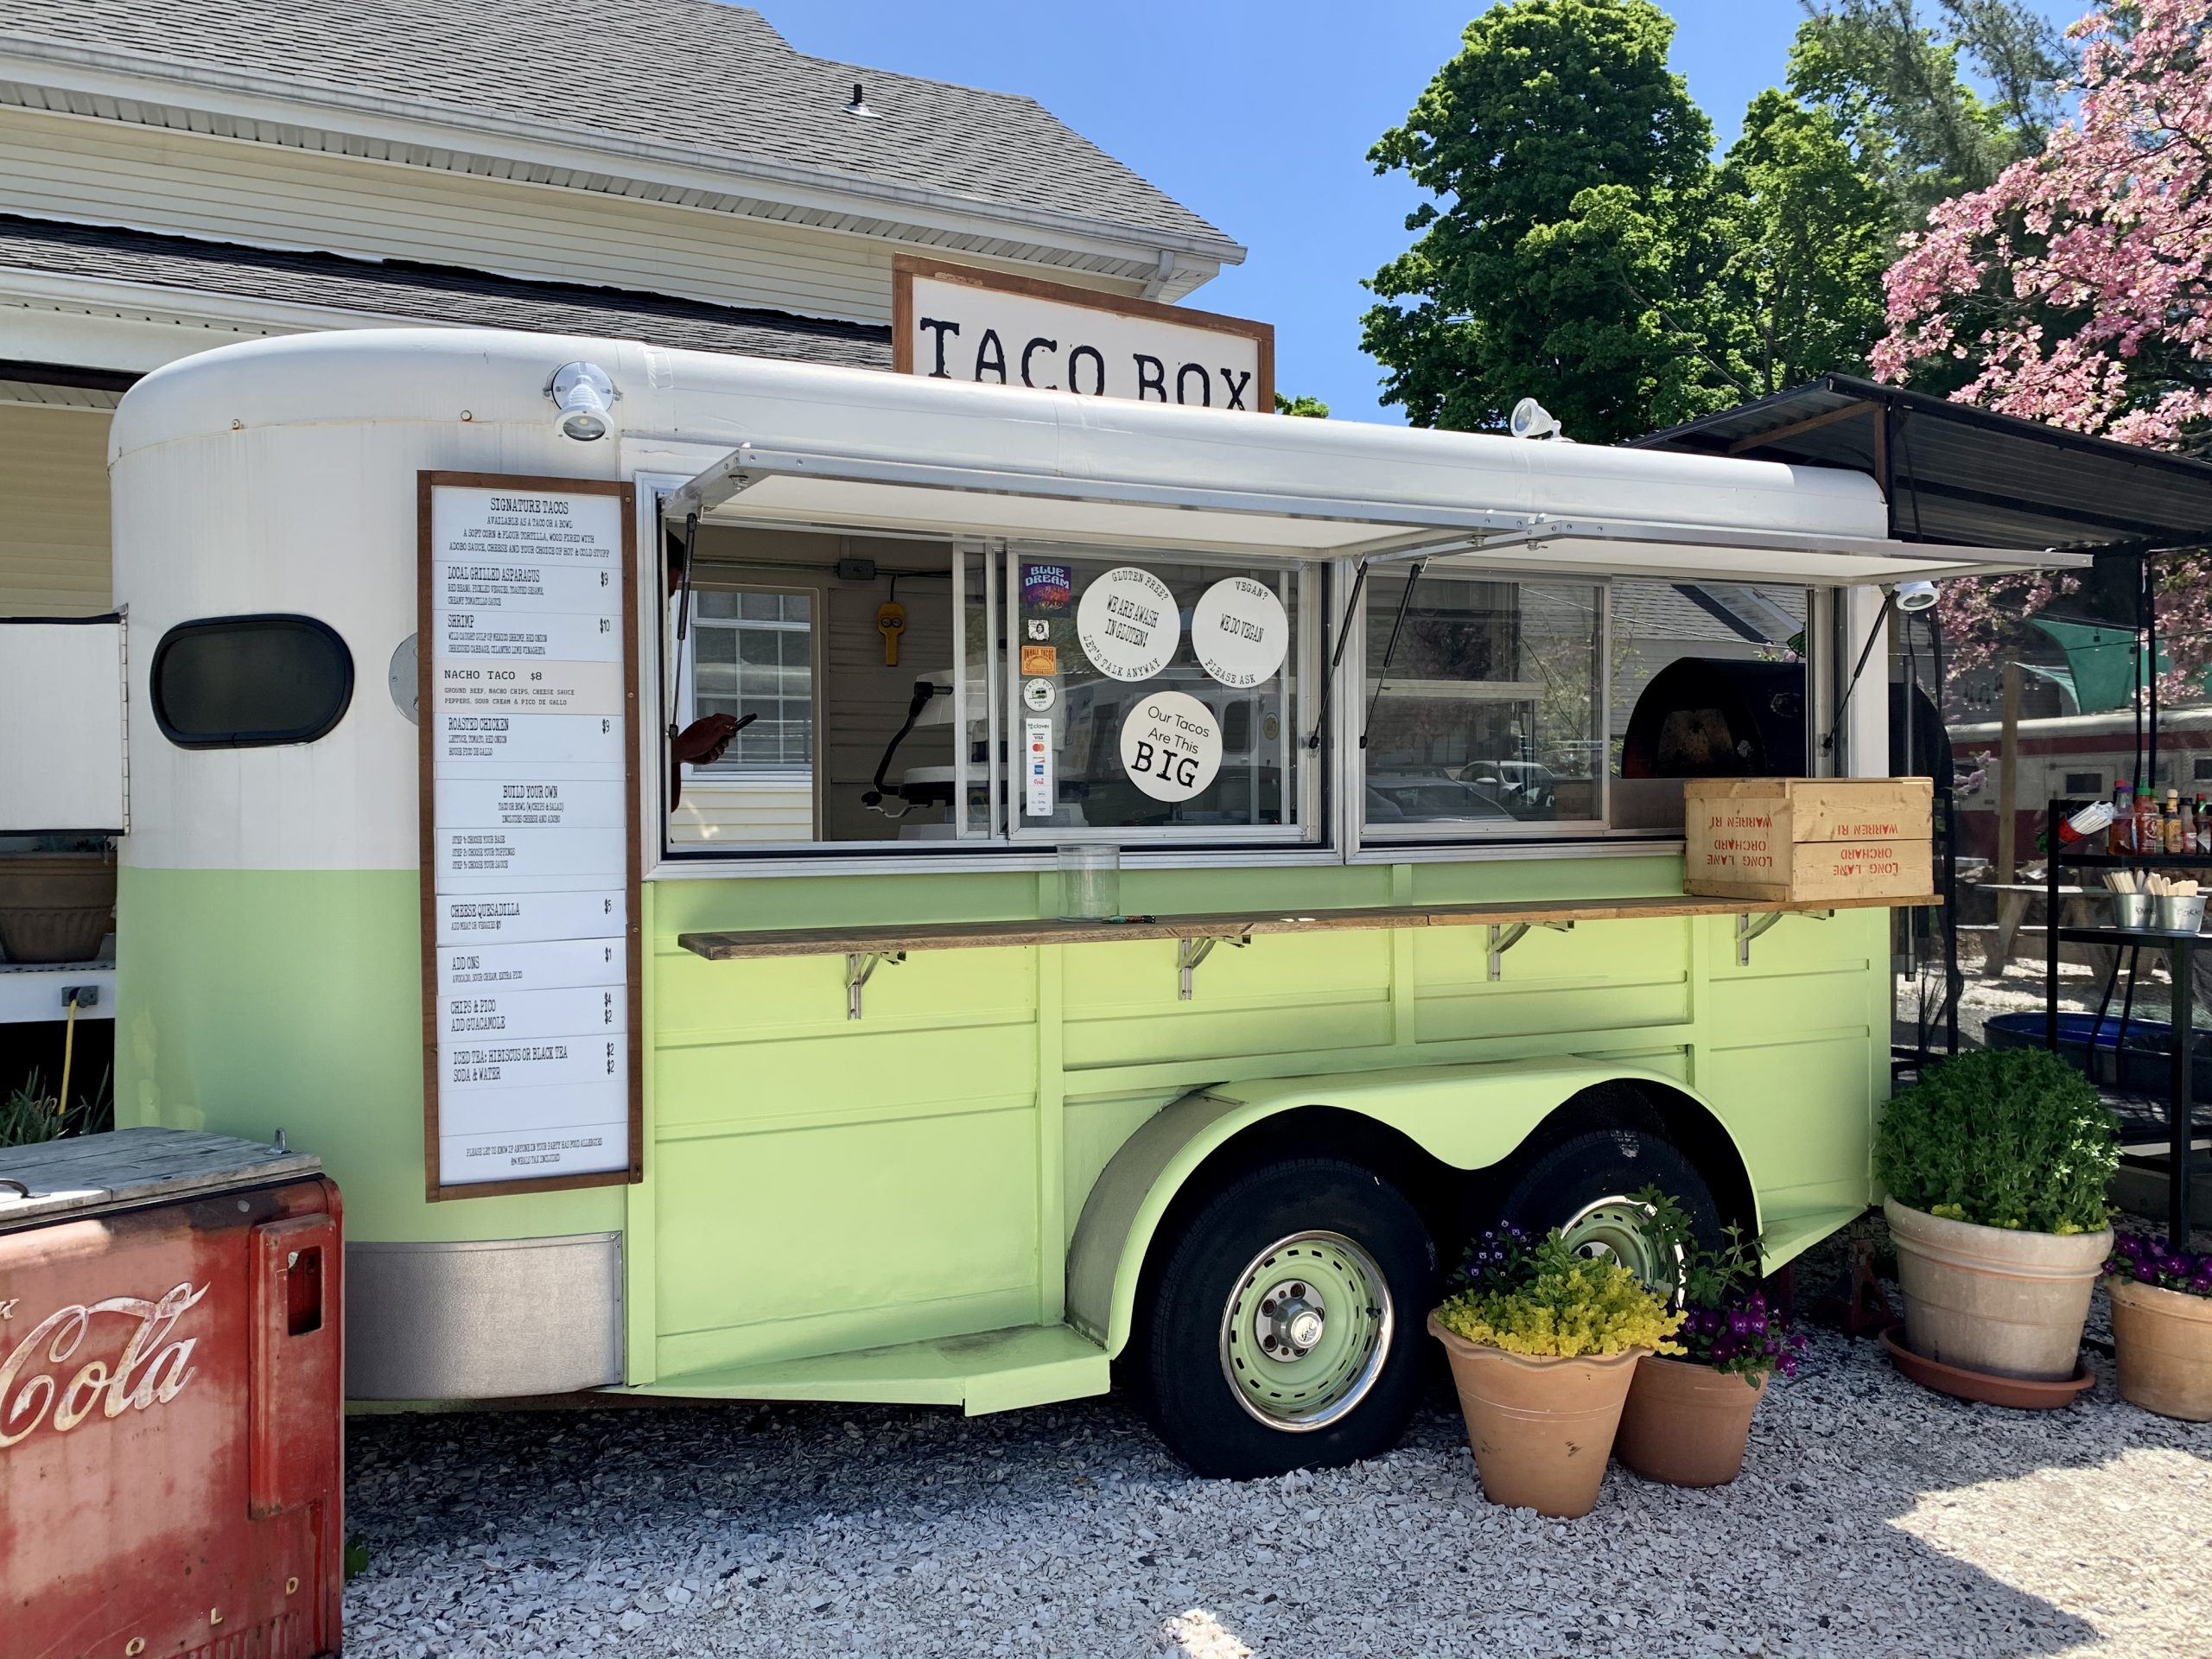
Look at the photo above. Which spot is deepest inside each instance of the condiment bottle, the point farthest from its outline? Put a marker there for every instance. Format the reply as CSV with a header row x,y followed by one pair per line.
x,y
2149,837
2169,823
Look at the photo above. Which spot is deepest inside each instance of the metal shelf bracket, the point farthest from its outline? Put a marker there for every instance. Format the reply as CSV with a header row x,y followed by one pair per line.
x,y
1749,928
1504,936
860,968
1189,953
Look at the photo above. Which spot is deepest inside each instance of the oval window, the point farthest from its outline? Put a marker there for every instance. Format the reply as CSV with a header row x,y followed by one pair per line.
x,y
243,682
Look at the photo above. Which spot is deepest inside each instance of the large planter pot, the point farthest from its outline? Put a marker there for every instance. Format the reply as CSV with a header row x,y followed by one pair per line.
x,y
55,906
1541,1429
1986,1298
2163,1341
1687,1424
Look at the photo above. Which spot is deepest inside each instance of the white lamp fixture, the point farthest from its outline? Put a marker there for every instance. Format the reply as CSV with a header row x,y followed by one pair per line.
x,y
582,394
1530,419
1916,595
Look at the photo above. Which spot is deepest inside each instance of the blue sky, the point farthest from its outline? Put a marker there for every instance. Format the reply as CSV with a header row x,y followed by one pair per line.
x,y
1260,115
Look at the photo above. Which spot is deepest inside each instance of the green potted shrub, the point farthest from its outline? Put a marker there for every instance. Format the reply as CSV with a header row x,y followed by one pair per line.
x,y
1688,1418
1542,1345
1996,1165
2162,1325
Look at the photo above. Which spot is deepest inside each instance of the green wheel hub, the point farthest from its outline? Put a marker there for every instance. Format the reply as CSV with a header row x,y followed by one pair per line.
x,y
1305,1331
1618,1229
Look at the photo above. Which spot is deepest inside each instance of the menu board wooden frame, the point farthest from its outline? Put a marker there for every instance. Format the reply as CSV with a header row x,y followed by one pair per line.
x,y
426,485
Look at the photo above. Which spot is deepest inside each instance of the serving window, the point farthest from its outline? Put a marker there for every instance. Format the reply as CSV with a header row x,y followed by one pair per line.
x,y
903,694
895,695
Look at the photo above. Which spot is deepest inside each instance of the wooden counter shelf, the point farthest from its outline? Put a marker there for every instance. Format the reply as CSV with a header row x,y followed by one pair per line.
x,y
865,948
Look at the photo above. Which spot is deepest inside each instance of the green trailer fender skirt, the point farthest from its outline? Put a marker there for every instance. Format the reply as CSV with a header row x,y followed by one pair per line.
x,y
1467,1117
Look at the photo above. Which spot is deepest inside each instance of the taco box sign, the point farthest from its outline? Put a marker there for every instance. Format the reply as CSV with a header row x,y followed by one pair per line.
x,y
955,322
1807,838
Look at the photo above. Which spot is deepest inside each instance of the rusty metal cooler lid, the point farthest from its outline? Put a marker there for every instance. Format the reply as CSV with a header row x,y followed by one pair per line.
x,y
87,1175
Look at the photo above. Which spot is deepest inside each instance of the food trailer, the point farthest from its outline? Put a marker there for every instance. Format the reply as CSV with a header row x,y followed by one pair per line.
x,y
611,805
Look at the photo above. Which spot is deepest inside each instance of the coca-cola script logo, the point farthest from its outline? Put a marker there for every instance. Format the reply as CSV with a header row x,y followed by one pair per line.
x,y
151,1371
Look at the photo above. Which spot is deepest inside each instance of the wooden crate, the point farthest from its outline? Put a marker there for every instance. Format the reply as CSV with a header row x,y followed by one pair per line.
x,y
1803,838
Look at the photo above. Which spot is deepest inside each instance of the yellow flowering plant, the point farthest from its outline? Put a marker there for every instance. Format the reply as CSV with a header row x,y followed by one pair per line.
x,y
1551,1304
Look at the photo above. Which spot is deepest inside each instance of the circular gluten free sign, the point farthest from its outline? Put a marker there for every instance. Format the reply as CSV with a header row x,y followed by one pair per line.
x,y
1171,746
1127,623
1240,632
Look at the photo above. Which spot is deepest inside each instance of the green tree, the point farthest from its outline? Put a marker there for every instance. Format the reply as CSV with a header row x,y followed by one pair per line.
x,y
1810,235
1589,252
1892,82
1311,408
1545,99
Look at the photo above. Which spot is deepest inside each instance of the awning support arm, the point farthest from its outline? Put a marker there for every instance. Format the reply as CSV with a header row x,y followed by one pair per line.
x,y
1391,651
682,622
1335,659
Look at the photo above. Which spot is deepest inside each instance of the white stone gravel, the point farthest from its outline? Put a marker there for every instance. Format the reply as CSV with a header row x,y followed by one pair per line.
x,y
1873,1517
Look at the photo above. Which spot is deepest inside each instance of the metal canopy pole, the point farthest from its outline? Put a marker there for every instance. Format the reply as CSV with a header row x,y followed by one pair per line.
x,y
2151,663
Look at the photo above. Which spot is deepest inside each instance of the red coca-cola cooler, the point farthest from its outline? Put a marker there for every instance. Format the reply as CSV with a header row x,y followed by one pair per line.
x,y
170,1403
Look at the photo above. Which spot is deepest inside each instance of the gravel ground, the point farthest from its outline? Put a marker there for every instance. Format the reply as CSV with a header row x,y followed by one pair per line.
x,y
1873,1517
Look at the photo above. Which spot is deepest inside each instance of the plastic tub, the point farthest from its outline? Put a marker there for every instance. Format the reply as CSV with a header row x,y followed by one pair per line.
x,y
2146,1070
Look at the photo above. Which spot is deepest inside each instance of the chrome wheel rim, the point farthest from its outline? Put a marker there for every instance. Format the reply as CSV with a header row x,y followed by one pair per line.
x,y
1305,1331
1617,1229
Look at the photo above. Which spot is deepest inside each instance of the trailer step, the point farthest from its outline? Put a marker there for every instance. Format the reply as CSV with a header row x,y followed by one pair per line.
x,y
991,1370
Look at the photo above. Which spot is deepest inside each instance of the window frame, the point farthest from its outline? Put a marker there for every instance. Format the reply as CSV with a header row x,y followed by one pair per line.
x,y
1305,831
726,771
1353,693
252,738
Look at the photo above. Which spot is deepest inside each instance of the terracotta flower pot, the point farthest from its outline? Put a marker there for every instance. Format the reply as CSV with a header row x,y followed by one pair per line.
x,y
1988,1298
1687,1424
2162,1339
1541,1429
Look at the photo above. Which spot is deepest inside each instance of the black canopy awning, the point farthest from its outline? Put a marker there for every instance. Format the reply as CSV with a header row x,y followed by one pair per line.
x,y
1957,473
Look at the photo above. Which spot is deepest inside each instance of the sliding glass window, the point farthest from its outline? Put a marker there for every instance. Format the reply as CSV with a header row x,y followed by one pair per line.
x,y
1157,698
1483,711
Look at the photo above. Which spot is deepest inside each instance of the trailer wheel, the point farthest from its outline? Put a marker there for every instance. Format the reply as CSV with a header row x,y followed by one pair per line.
x,y
1581,1186
1282,1329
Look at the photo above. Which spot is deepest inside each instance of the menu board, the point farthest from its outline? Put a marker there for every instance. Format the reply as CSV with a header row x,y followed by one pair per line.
x,y
528,636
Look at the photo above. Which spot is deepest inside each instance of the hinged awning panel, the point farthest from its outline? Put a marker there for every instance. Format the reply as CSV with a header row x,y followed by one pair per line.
x,y
760,483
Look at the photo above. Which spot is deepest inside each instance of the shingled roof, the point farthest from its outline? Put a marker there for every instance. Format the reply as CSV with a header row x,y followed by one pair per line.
x,y
708,77
436,294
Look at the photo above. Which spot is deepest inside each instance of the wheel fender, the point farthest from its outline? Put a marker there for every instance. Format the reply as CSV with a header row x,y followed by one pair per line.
x,y
1467,1117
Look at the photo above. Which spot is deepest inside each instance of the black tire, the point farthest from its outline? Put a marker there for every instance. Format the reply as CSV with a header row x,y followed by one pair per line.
x,y
1562,1180
1192,1404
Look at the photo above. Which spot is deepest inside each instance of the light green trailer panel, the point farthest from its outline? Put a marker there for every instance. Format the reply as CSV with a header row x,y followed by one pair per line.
x,y
916,1177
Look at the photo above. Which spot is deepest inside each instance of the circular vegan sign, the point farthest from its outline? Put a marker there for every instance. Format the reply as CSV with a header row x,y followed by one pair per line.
x,y
1239,631
1037,694
1127,623
1171,746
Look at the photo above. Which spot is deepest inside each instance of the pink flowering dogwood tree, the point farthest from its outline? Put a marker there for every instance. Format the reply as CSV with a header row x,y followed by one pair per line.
x,y
2074,291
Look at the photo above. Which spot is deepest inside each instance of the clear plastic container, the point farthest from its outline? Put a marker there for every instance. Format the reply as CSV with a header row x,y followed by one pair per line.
x,y
1090,883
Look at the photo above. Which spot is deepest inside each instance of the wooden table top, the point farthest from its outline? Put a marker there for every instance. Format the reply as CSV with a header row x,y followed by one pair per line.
x,y
1242,925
